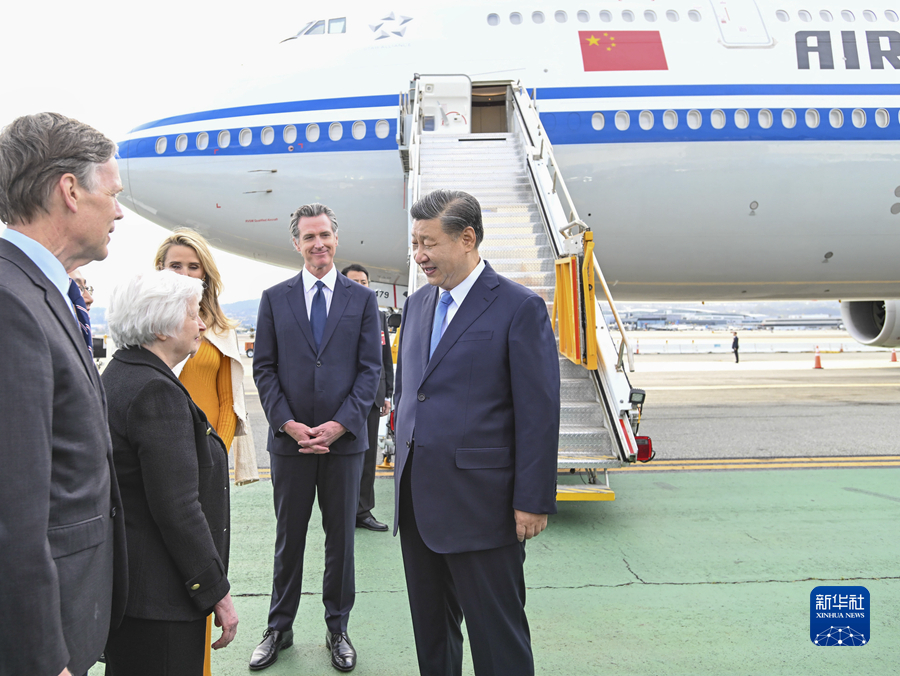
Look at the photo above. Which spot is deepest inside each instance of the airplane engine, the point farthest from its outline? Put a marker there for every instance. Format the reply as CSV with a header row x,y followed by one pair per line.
x,y
873,322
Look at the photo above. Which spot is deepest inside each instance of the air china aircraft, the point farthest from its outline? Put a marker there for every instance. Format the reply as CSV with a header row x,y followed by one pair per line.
x,y
719,149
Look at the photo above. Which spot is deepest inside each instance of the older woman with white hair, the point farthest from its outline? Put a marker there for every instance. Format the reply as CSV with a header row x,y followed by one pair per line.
x,y
173,475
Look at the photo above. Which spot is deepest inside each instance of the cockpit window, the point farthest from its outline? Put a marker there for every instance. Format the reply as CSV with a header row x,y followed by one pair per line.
x,y
335,26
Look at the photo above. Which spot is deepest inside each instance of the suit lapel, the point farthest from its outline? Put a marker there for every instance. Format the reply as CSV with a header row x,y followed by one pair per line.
x,y
56,303
60,308
477,301
296,297
339,299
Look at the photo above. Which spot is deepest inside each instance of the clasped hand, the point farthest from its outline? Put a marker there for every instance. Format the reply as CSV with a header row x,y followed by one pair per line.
x,y
315,439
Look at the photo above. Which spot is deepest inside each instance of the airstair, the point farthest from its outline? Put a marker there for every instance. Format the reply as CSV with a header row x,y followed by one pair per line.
x,y
486,138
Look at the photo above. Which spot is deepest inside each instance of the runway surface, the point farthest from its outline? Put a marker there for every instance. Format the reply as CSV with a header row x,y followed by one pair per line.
x,y
771,478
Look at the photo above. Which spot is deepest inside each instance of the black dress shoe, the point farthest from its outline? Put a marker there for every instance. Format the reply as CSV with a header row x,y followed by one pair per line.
x,y
371,523
266,653
343,656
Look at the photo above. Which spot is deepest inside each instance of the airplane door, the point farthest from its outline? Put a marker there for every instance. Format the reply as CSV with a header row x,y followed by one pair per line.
x,y
446,104
741,24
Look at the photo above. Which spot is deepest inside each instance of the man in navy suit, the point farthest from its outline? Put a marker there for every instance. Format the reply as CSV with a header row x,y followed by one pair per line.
x,y
477,401
316,366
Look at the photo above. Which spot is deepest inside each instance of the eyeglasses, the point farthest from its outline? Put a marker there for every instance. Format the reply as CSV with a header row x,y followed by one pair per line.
x,y
86,289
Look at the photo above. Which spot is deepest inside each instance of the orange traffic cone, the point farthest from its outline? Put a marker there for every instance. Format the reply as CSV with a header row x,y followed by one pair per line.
x,y
893,355
637,347
818,363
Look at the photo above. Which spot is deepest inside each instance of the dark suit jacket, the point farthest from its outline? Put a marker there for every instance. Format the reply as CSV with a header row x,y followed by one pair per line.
x,y
59,549
484,413
337,383
386,384
173,474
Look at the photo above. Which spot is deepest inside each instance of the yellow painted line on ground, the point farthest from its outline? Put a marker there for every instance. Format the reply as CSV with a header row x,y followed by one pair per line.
x,y
650,467
714,463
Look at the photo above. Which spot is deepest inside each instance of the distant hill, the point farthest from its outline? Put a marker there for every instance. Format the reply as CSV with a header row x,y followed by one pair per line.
x,y
244,311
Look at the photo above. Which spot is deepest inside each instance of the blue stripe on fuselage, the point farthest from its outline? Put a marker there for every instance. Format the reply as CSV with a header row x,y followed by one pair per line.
x,y
548,93
269,108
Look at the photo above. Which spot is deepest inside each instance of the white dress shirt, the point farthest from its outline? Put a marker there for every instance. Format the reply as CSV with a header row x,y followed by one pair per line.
x,y
309,288
459,293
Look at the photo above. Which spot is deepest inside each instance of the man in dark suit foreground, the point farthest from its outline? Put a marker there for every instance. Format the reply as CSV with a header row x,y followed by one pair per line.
x,y
477,405
318,354
381,408
60,514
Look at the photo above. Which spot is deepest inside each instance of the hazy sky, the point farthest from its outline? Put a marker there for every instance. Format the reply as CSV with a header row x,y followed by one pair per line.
x,y
115,65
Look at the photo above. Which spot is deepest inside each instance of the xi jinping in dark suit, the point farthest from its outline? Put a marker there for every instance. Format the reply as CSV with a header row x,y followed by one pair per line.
x,y
316,366
477,405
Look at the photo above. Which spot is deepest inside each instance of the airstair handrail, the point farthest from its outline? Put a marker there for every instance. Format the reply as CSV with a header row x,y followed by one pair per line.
x,y
410,136
544,151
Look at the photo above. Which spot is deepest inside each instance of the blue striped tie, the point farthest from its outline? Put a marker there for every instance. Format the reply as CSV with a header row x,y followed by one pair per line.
x,y
84,319
440,313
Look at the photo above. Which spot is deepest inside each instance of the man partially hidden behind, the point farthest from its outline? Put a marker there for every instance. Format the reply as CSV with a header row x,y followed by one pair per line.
x,y
477,405
316,366
60,514
382,407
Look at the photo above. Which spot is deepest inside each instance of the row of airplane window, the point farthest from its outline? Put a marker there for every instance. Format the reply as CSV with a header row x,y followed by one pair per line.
x,y
741,118
515,18
848,16
267,136
622,120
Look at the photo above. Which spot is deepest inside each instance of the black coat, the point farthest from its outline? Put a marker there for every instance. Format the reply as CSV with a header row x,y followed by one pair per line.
x,y
173,475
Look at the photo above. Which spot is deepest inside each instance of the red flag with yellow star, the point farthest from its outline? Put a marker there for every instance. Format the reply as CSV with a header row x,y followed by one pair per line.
x,y
622,50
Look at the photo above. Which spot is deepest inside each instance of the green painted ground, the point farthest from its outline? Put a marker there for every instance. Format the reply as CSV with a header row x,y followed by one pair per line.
x,y
685,573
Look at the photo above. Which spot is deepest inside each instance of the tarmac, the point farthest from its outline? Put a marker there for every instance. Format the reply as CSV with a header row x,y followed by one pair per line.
x,y
771,478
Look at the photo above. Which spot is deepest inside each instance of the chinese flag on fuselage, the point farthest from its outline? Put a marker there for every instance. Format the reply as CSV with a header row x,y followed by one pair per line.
x,y
622,50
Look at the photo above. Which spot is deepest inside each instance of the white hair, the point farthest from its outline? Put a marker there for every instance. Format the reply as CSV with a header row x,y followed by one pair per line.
x,y
150,304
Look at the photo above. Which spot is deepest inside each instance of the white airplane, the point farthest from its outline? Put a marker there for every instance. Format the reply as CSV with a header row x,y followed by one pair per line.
x,y
719,149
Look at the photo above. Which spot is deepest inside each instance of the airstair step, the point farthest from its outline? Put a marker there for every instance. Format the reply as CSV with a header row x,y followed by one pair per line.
x,y
495,237
571,371
532,279
517,252
581,413
586,461
511,229
545,292
575,439
491,192
472,184
475,171
577,389
467,139
507,155
507,265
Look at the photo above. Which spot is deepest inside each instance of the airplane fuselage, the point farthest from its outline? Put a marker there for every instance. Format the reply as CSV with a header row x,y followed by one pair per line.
x,y
729,155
